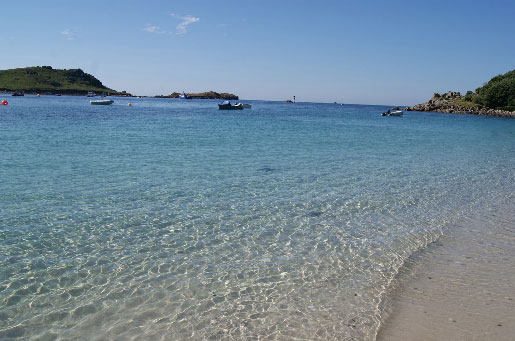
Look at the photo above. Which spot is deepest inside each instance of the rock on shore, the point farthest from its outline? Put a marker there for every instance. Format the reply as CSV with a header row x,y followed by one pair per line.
x,y
453,103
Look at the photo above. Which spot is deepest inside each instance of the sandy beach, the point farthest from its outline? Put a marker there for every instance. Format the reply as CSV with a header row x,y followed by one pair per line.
x,y
462,287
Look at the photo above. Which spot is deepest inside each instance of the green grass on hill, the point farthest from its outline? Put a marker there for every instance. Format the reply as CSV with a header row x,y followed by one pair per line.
x,y
466,104
44,79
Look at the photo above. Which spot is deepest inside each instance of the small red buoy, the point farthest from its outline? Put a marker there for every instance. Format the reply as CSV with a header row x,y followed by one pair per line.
x,y
4,102
129,104
38,95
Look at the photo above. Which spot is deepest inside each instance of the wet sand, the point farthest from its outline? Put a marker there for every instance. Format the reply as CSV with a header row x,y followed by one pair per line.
x,y
462,287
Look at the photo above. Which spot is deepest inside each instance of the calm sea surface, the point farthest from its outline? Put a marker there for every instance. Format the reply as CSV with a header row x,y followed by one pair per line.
x,y
174,220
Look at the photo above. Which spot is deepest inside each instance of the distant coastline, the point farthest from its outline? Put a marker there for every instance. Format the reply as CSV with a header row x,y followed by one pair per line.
x,y
64,92
203,95
45,80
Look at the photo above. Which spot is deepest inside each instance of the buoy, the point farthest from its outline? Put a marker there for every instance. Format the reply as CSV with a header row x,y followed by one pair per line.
x,y
4,102
38,95
129,105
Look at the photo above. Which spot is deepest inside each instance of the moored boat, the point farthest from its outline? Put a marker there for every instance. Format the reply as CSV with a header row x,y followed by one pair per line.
x,y
91,94
102,102
228,106
18,93
184,96
392,113
246,106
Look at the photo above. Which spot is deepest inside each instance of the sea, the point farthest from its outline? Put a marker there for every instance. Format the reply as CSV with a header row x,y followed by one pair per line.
x,y
172,220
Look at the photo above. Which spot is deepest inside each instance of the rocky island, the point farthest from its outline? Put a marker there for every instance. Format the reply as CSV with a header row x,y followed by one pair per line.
x,y
495,98
204,95
50,81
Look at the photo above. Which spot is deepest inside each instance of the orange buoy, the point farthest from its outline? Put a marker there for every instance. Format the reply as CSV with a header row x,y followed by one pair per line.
x,y
4,102
129,105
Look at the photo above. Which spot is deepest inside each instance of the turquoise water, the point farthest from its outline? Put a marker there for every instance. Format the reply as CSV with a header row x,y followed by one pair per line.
x,y
170,219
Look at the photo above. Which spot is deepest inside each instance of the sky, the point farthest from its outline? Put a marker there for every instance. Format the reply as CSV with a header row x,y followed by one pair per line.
x,y
367,52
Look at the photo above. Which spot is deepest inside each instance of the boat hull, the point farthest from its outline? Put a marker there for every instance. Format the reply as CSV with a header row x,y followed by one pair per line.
x,y
393,113
230,107
102,102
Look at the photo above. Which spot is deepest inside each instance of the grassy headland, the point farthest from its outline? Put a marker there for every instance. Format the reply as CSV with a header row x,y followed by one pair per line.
x,y
495,98
46,80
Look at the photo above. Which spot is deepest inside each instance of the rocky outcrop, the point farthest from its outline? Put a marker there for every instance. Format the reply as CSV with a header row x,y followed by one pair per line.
x,y
204,95
452,103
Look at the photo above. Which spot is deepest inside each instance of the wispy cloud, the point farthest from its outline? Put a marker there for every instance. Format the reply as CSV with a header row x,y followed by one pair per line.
x,y
69,34
186,20
153,29
181,28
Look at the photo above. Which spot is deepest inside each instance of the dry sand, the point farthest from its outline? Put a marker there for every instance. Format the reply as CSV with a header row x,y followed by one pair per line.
x,y
460,288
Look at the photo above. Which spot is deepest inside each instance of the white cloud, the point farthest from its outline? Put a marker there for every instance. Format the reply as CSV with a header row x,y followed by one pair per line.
x,y
186,20
181,28
153,29
69,34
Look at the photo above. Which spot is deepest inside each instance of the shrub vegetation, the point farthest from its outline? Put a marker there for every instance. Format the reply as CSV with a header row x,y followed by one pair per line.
x,y
498,93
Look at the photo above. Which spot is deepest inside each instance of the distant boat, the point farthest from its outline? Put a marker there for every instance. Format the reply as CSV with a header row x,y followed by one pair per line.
x,y
18,93
102,102
392,113
91,94
228,106
246,106
184,96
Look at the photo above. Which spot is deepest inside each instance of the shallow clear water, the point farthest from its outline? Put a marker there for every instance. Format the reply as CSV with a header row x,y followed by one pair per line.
x,y
171,219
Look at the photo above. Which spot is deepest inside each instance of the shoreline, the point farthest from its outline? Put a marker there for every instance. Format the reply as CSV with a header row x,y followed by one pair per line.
x,y
63,93
462,286
461,110
84,94
454,103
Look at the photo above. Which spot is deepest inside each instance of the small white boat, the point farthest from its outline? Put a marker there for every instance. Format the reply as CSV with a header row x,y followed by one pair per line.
x,y
393,113
184,96
102,102
246,106
91,94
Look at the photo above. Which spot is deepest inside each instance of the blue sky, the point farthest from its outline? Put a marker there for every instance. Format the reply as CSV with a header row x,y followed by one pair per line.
x,y
373,52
